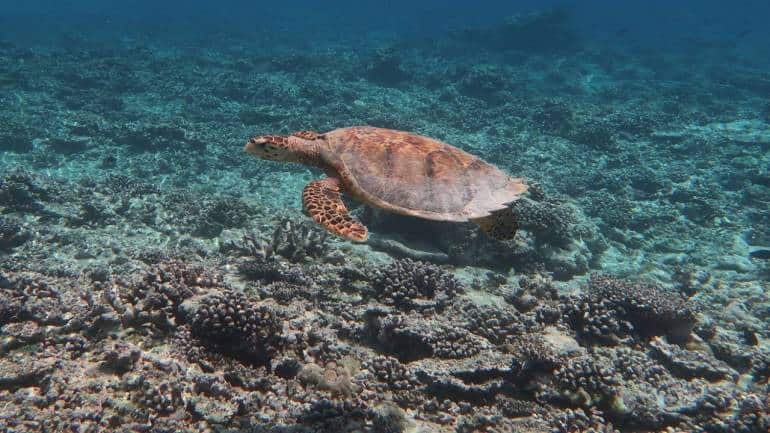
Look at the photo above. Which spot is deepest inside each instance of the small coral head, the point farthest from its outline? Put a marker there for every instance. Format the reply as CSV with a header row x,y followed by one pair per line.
x,y
272,147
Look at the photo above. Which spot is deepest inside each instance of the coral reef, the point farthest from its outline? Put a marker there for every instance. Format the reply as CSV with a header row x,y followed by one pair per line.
x,y
152,278
613,310
385,67
408,284
12,234
228,322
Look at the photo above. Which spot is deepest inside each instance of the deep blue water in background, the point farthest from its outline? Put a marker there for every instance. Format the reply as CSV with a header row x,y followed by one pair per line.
x,y
654,24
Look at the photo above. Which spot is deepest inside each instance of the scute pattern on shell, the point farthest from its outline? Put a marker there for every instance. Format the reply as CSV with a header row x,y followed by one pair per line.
x,y
414,175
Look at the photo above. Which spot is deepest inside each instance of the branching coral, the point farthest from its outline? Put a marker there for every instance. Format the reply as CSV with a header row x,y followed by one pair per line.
x,y
263,262
409,338
220,214
163,398
531,357
612,309
586,381
230,323
12,234
578,421
498,325
598,320
156,297
154,138
649,307
391,372
296,242
409,284
549,221
20,192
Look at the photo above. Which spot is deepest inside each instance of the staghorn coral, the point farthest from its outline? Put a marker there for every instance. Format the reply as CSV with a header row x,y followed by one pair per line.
x,y
299,242
262,264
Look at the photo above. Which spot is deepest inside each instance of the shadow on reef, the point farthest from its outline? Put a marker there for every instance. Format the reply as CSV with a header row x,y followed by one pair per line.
x,y
553,236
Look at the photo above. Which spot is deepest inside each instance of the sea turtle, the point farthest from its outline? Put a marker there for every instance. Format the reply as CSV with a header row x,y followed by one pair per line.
x,y
398,171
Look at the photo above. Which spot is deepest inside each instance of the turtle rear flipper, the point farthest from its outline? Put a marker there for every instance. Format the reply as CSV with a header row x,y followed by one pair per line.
x,y
501,225
324,204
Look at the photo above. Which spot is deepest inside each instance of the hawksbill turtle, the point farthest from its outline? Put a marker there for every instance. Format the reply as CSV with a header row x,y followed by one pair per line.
x,y
398,171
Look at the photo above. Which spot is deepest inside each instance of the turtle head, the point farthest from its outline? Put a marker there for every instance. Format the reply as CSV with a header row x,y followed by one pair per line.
x,y
284,148
272,147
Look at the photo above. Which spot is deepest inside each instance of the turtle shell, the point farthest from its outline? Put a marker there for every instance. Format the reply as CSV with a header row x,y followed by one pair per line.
x,y
415,175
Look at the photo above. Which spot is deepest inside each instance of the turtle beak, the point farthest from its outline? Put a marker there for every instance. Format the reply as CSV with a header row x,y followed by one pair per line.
x,y
272,147
255,146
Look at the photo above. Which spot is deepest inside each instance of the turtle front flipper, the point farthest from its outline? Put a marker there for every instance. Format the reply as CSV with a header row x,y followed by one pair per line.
x,y
324,204
501,225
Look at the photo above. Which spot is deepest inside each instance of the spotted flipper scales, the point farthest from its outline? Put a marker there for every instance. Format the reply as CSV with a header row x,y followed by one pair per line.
x,y
324,204
501,225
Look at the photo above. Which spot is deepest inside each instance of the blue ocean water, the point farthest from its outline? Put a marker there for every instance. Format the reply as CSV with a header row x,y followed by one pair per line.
x,y
156,277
